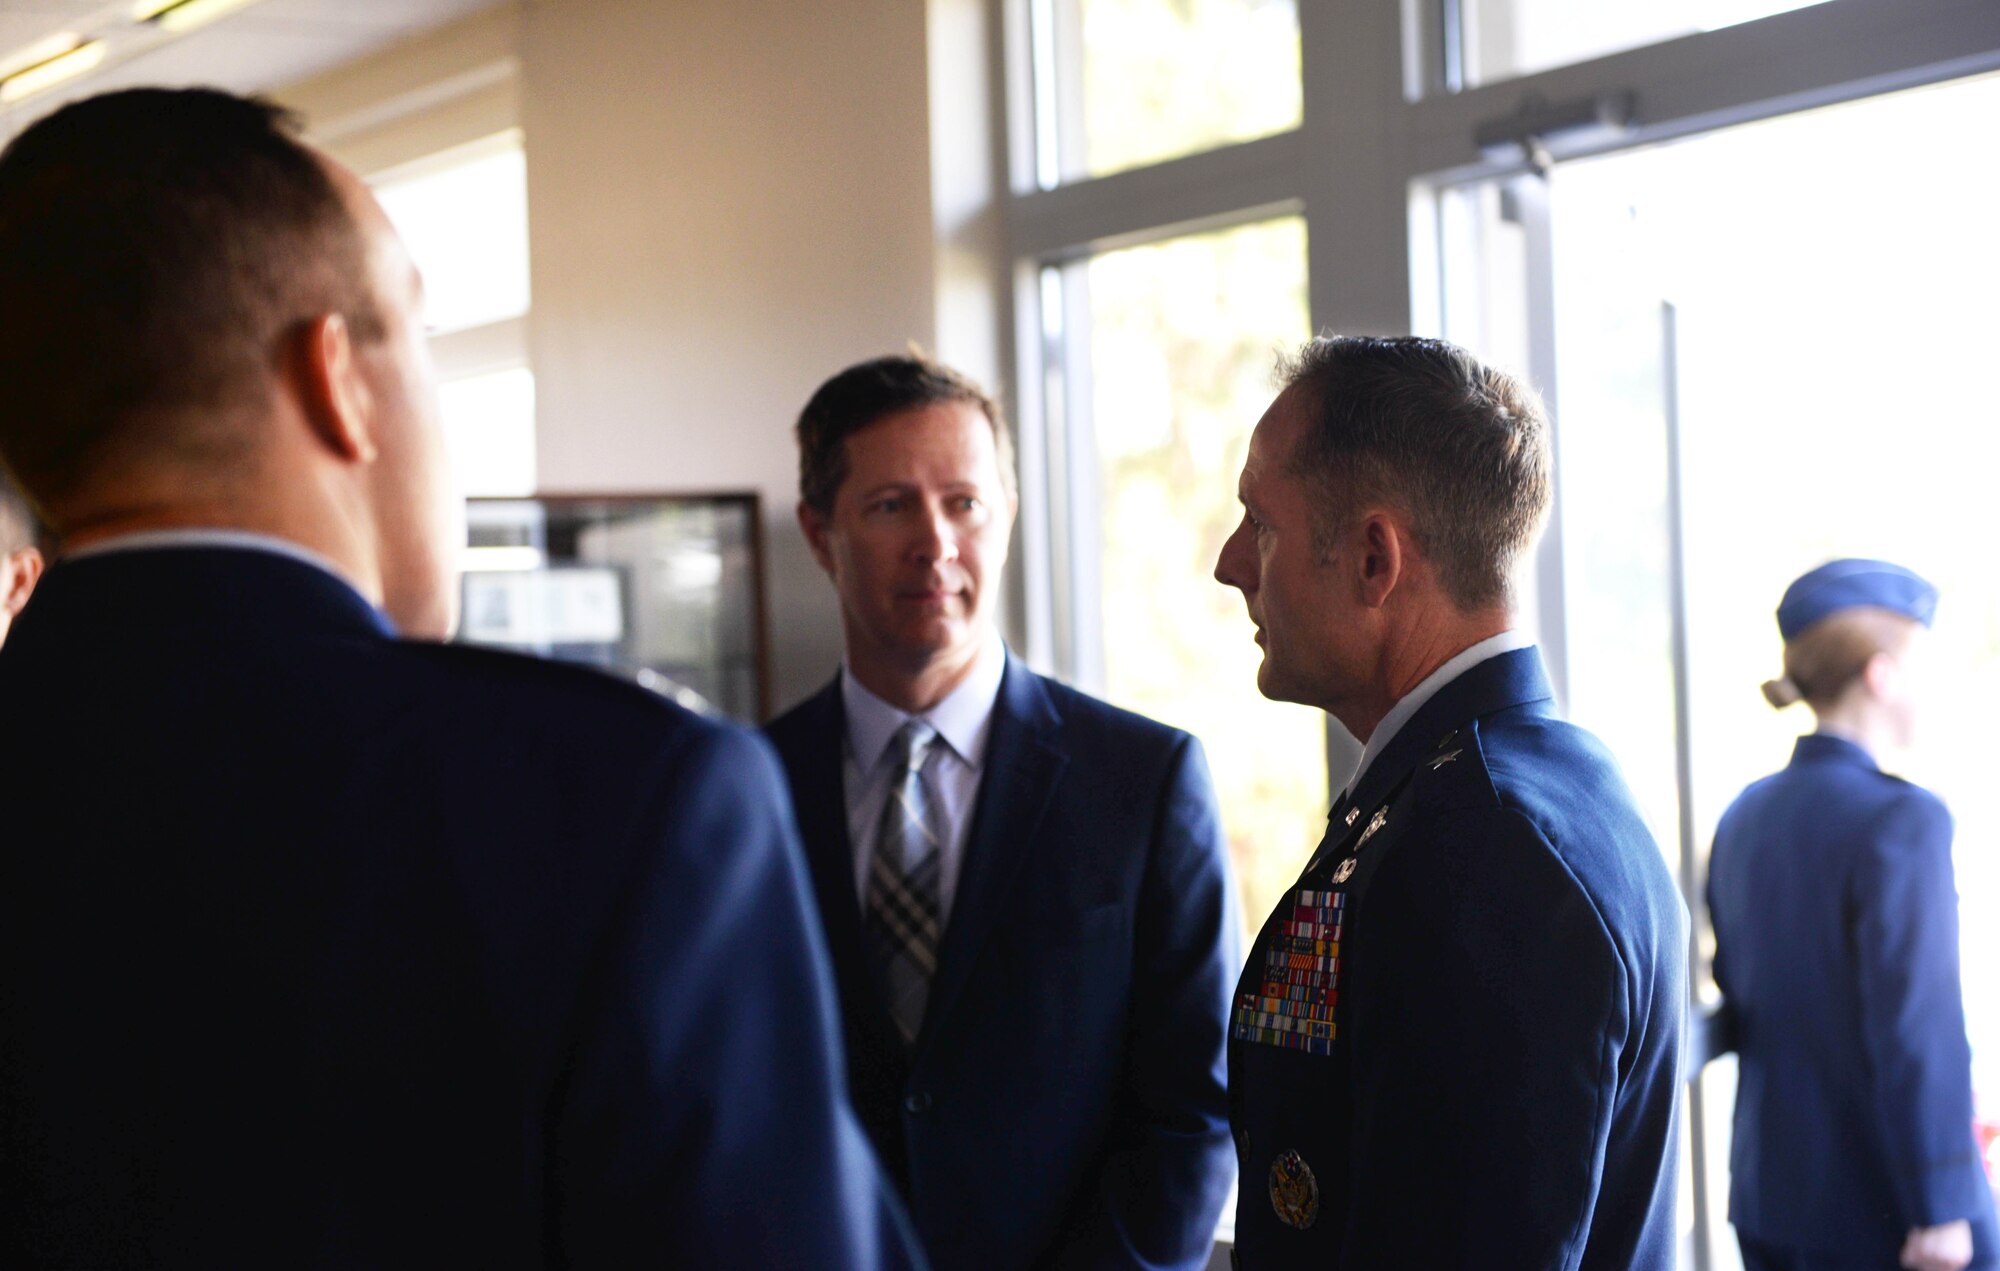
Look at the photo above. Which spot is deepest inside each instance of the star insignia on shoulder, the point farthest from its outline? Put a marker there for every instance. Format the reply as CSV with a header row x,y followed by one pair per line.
x,y
1444,759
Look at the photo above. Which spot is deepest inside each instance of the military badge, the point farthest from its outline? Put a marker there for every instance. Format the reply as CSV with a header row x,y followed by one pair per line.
x,y
1444,759
1294,1191
1345,871
1294,1003
1376,822
1353,814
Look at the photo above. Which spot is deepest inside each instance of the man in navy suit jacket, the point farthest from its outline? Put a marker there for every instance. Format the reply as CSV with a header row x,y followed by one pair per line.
x,y
1457,1042
320,946
1029,907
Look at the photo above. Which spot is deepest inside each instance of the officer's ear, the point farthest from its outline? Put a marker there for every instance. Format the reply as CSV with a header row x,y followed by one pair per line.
x,y
1381,555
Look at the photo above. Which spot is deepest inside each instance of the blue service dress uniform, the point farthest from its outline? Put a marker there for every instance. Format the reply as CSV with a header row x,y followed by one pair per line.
x,y
1458,1040
1837,952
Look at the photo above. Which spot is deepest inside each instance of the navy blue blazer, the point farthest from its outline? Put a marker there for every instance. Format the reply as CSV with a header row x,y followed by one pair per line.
x,y
320,948
1458,1041
1063,1104
1836,948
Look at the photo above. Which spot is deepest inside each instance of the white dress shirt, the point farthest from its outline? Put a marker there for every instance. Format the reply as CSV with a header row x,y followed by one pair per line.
x,y
1413,701
963,721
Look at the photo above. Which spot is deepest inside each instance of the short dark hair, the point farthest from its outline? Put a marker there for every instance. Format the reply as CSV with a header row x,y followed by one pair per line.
x,y
1459,448
874,390
156,246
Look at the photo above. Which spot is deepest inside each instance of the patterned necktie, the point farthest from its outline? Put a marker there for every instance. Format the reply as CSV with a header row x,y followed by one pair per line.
x,y
902,921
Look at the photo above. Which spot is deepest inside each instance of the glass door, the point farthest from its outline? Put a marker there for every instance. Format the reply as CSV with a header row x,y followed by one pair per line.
x,y
1765,347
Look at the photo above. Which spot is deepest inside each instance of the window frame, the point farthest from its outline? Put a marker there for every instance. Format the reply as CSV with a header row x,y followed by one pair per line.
x,y
1389,126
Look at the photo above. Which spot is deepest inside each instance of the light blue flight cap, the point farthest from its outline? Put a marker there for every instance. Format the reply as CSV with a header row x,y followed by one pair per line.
x,y
1853,584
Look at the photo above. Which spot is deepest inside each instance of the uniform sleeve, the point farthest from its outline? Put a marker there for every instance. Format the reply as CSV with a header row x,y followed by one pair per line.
x,y
704,1121
1166,1180
1502,1036
1905,925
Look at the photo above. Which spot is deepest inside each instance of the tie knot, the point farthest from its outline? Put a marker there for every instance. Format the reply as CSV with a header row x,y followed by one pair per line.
x,y
911,744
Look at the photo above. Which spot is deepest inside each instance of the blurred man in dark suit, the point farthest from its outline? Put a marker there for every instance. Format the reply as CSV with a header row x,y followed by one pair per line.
x,y
321,945
1025,889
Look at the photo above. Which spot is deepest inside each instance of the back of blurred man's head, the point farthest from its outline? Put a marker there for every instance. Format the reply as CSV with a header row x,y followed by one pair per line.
x,y
155,246
206,323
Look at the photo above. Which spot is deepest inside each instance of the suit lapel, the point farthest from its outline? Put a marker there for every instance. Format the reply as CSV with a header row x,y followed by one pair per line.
x,y
1023,766
820,797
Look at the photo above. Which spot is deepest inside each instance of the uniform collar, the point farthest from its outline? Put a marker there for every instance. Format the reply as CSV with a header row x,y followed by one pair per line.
x,y
1827,748
218,590
963,719
1501,682
237,540
1413,701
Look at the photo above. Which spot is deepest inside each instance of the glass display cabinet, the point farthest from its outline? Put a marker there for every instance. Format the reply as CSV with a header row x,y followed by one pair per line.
x,y
664,590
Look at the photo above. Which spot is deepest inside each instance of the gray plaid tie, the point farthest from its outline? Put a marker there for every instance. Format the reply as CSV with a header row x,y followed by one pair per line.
x,y
902,920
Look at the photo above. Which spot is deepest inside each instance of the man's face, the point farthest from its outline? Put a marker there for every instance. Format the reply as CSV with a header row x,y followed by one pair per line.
x,y
1305,621
917,529
420,521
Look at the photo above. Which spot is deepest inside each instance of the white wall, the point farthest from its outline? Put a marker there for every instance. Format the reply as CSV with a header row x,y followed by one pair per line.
x,y
729,200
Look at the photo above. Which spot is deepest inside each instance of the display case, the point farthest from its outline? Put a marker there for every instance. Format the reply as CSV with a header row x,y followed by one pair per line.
x,y
665,590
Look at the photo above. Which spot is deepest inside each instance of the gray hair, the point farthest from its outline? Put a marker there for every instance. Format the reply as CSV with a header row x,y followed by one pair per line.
x,y
1460,449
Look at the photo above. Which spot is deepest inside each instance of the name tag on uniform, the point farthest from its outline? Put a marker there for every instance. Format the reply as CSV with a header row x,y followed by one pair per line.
x,y
1293,1007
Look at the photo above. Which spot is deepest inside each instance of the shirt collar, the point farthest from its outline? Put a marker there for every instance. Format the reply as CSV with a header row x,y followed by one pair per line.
x,y
963,719
239,540
1830,747
1413,701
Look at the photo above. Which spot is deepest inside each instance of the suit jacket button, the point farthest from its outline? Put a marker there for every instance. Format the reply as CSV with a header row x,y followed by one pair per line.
x,y
917,1104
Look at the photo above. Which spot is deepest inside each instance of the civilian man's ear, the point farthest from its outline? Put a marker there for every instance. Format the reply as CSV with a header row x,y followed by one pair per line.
x,y
331,390
814,527
22,570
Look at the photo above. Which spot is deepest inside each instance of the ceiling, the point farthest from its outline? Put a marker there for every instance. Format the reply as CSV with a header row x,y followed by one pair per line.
x,y
269,44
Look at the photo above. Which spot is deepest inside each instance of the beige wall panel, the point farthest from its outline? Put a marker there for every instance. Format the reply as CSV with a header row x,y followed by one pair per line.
x,y
729,200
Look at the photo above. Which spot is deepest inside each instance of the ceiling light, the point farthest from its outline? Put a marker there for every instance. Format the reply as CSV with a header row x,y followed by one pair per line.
x,y
183,15
51,71
40,51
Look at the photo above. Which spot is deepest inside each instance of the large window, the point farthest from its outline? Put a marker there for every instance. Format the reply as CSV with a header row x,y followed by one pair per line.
x,y
1130,82
1756,312
1168,377
463,214
1505,38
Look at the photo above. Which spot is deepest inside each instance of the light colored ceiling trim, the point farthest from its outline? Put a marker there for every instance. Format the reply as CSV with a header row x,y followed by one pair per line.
x,y
455,121
497,346
411,77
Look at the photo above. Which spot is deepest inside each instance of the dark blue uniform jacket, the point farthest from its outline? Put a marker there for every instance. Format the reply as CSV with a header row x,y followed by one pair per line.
x,y
1457,1043
1063,1105
319,948
1836,929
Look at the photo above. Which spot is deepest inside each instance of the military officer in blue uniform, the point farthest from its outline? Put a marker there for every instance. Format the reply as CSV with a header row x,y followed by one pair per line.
x,y
1837,952
1457,1041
